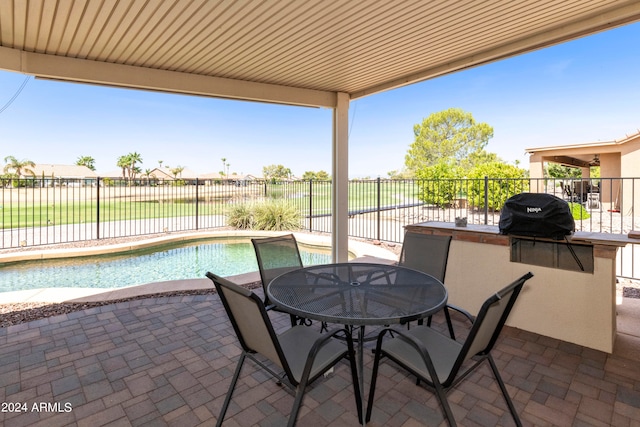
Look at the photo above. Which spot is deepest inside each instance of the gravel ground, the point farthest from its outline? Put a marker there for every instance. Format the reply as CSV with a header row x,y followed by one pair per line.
x,y
13,314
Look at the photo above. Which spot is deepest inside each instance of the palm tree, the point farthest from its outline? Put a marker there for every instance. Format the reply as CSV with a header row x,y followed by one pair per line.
x,y
133,159
19,167
123,162
87,161
177,171
224,163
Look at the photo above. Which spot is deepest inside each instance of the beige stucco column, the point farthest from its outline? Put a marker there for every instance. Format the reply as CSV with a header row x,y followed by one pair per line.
x,y
340,181
536,172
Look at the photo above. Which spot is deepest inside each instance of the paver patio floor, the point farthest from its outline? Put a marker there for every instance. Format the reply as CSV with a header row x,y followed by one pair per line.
x,y
168,361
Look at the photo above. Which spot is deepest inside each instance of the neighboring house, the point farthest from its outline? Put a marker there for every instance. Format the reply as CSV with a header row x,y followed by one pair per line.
x,y
166,174
64,174
234,178
156,174
617,159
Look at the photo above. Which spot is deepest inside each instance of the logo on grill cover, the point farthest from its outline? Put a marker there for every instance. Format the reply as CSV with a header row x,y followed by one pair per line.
x,y
535,210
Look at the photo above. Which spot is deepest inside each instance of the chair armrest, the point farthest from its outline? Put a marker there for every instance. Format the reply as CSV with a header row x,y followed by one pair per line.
x,y
462,311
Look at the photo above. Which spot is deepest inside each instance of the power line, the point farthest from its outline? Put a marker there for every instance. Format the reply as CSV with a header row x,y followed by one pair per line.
x,y
13,98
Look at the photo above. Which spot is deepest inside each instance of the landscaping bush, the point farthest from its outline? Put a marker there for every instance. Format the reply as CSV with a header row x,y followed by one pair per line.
x,y
241,216
506,180
276,215
578,211
439,184
272,215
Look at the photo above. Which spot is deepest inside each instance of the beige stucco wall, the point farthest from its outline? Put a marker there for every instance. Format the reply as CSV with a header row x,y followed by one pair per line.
x,y
610,167
630,167
571,306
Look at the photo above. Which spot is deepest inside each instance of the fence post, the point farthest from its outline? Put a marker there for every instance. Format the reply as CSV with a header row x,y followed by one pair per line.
x,y
378,211
486,200
310,204
98,208
197,185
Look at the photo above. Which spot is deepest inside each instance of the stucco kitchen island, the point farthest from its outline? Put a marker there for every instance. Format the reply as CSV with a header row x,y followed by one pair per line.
x,y
561,301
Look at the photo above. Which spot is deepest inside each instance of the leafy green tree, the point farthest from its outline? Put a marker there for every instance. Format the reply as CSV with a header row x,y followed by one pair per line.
x,y
451,134
275,173
481,157
16,167
316,176
87,161
555,170
504,181
323,176
401,174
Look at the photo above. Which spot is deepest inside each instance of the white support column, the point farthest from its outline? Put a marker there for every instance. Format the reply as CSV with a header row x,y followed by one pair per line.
x,y
340,181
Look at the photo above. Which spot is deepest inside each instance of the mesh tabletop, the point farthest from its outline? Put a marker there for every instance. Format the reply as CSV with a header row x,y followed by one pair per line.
x,y
358,293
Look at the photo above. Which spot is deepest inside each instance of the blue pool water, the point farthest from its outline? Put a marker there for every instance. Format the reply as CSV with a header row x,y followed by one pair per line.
x,y
188,261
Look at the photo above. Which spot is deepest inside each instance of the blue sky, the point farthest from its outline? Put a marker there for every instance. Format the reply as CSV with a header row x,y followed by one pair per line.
x,y
582,91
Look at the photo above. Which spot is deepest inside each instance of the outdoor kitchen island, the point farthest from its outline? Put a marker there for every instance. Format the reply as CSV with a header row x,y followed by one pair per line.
x,y
571,298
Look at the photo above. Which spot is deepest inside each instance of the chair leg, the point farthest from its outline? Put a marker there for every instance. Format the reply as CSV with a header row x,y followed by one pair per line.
x,y
324,327
447,315
507,398
294,320
297,402
442,397
232,386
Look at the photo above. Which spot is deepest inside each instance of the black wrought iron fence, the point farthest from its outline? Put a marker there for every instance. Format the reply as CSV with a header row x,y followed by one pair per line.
x,y
36,211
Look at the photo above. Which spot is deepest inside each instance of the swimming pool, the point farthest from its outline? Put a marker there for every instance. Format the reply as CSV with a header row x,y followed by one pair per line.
x,y
168,262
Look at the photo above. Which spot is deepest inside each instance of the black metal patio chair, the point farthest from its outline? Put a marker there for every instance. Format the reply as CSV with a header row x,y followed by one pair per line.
x,y
428,253
438,360
277,255
302,354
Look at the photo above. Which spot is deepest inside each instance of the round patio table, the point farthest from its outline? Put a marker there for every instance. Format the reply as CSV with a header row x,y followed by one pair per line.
x,y
358,294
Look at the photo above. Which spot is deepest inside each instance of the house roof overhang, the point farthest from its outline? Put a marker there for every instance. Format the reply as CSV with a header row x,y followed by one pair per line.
x,y
293,52
585,154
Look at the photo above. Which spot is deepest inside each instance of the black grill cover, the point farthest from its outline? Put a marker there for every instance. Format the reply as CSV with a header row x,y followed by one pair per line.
x,y
536,215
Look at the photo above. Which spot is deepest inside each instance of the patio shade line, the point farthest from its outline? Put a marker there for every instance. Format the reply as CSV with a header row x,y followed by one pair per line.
x,y
118,75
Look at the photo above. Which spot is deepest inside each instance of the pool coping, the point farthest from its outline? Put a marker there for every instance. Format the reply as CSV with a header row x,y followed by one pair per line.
x,y
362,251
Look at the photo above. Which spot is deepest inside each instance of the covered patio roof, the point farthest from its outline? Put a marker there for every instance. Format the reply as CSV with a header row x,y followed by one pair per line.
x,y
311,53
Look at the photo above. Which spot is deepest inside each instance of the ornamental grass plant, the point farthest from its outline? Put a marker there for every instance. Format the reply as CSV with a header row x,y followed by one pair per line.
x,y
270,215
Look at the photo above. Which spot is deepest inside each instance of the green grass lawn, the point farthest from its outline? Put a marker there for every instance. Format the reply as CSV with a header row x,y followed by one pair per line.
x,y
77,213
362,195
315,199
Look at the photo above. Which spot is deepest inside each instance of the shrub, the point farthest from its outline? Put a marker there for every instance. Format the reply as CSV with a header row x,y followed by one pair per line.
x,y
276,215
578,211
241,216
504,181
272,215
439,184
